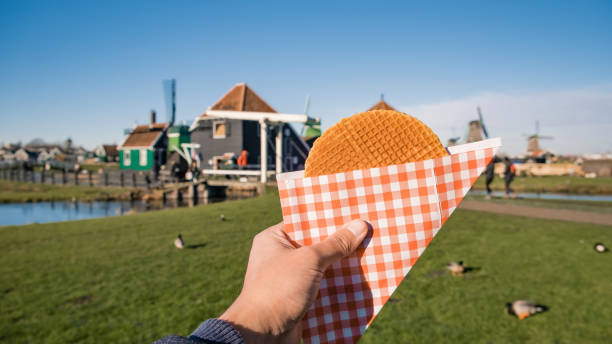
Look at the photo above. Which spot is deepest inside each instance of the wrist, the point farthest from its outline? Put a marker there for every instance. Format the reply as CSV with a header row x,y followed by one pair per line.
x,y
247,320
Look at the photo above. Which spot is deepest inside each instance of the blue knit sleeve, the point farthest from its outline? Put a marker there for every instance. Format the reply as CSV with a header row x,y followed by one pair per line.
x,y
212,331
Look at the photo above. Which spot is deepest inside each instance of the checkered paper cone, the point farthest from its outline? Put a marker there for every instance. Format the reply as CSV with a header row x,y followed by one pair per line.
x,y
406,206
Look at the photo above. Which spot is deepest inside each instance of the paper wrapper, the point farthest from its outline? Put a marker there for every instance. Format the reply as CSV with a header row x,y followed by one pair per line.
x,y
406,206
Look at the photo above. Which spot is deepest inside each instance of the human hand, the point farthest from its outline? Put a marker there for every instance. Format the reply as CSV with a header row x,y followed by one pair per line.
x,y
282,282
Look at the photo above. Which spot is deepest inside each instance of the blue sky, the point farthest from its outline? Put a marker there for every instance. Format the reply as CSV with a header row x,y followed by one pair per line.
x,y
90,69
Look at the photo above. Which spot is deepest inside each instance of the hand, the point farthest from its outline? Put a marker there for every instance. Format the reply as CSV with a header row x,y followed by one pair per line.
x,y
282,282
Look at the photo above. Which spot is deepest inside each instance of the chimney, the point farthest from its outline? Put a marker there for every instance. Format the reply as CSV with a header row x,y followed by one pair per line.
x,y
152,116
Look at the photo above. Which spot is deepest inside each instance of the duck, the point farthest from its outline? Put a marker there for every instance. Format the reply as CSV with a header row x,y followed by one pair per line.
x,y
456,268
178,242
599,247
523,308
222,217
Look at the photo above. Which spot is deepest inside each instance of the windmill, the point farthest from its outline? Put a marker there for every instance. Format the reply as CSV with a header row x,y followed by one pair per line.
x,y
312,128
170,98
533,140
477,130
187,151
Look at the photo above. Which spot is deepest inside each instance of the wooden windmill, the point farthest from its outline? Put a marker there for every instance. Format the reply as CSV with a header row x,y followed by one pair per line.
x,y
477,130
533,140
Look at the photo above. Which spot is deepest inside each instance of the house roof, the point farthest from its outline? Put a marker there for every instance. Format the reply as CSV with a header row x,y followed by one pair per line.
x,y
145,135
110,149
242,98
381,105
239,98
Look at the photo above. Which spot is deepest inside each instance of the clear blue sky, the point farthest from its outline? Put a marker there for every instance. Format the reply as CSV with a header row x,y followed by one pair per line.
x,y
88,69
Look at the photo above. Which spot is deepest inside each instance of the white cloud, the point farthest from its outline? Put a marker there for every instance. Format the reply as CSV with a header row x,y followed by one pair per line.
x,y
579,120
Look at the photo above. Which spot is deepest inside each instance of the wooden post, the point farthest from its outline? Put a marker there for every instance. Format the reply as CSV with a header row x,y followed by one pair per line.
x,y
53,178
134,179
279,149
105,178
121,177
191,193
263,150
42,176
64,177
76,177
90,180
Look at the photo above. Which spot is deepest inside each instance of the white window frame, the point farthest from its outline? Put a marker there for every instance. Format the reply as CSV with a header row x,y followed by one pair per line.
x,y
214,129
126,157
143,157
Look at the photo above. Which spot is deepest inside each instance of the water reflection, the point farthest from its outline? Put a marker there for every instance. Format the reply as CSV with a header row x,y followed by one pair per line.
x,y
43,212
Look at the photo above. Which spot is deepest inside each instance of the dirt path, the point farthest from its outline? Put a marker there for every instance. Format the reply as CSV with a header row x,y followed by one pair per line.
x,y
538,212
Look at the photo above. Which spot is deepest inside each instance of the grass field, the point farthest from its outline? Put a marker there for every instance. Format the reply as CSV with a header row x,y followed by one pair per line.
x,y
558,184
17,192
120,280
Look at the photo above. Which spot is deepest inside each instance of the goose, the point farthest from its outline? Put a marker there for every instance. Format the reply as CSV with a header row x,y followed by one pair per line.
x,y
599,247
523,308
456,268
178,242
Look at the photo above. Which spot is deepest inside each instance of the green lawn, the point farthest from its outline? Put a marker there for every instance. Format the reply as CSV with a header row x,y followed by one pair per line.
x,y
559,184
120,280
17,192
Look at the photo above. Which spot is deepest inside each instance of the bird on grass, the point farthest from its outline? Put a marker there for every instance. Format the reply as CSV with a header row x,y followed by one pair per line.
x,y
222,217
599,247
456,268
178,242
523,308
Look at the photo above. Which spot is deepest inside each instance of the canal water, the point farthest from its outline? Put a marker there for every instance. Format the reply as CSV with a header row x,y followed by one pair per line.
x,y
24,213
44,212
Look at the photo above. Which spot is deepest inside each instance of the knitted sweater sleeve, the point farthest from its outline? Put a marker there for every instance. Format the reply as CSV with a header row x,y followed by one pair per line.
x,y
212,331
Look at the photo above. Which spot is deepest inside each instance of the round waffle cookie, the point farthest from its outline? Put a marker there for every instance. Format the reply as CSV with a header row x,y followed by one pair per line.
x,y
372,139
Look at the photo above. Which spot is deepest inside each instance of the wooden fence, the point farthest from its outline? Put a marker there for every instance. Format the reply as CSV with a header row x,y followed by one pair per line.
x,y
118,178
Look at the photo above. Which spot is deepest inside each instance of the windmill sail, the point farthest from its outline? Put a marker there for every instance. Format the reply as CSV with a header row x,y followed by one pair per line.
x,y
484,129
170,99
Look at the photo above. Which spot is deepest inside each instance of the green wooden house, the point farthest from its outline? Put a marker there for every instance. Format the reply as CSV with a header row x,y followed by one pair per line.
x,y
145,148
177,135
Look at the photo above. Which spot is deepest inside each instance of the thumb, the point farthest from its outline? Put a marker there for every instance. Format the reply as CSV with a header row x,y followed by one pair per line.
x,y
341,244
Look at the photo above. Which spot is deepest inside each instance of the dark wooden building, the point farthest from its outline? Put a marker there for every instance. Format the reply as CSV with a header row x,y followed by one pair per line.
x,y
218,136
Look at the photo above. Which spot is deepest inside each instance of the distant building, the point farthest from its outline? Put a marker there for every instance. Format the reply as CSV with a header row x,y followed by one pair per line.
x,y
177,136
25,155
107,153
218,136
598,167
382,105
145,147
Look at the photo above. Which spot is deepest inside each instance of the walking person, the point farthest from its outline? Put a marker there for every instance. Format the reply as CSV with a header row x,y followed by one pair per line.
x,y
490,174
509,174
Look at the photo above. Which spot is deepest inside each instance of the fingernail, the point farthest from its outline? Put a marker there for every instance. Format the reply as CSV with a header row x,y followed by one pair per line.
x,y
357,227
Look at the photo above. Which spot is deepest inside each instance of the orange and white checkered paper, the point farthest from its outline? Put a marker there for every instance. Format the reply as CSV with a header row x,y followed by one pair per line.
x,y
405,204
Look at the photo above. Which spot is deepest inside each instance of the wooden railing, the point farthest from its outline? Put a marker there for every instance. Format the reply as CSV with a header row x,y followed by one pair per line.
x,y
117,178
